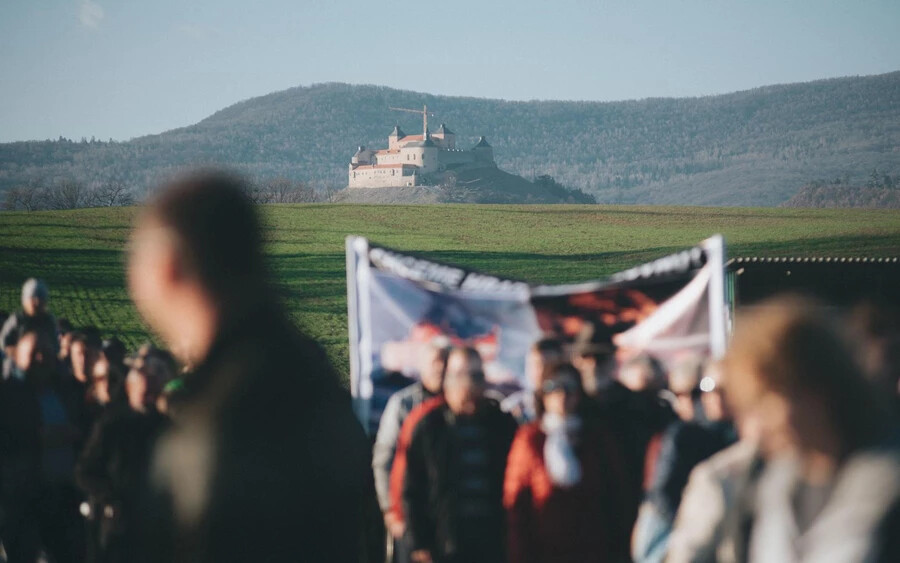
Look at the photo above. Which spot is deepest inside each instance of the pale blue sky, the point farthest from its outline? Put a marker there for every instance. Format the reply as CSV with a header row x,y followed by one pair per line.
x,y
125,68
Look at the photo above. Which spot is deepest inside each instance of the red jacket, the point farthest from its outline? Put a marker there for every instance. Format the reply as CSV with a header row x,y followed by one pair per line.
x,y
398,467
588,522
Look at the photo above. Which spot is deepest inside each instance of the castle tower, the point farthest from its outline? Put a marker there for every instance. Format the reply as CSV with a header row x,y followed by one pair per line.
x,y
394,138
484,152
447,137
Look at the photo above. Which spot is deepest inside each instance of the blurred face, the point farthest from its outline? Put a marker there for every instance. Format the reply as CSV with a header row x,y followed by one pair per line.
x,y
561,395
587,367
431,369
65,343
25,351
82,361
151,275
635,377
460,390
100,380
33,306
139,396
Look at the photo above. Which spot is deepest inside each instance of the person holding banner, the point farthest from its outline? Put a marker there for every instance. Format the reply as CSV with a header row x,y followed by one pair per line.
x,y
453,490
566,487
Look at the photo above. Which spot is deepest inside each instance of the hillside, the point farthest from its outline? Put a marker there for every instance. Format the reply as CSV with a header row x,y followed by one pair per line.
x,y
881,191
81,253
756,147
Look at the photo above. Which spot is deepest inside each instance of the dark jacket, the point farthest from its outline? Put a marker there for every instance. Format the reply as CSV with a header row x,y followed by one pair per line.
x,y
266,460
113,472
435,489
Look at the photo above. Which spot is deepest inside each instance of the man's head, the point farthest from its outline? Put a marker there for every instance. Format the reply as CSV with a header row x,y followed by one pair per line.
x,y
464,380
642,373
35,296
196,256
561,392
83,351
790,369
591,353
433,363
544,355
684,383
149,374
65,331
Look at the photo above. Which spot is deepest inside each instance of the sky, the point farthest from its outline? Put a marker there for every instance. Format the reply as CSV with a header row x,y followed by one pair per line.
x,y
125,68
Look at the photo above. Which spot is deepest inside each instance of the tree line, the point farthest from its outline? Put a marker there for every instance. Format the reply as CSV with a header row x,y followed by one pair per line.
x,y
73,194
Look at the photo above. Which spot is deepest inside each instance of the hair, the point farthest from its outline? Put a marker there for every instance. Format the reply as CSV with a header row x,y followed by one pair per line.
x,y
788,346
63,325
559,371
89,337
217,233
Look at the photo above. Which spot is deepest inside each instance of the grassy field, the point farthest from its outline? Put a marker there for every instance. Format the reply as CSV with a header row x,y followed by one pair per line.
x,y
80,253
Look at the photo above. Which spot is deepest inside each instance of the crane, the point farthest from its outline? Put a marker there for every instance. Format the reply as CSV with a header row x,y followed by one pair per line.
x,y
424,113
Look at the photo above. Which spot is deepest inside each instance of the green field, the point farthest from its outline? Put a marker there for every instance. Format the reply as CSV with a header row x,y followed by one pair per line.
x,y
80,253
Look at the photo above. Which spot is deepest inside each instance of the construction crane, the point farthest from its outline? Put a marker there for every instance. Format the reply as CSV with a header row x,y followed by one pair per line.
x,y
424,113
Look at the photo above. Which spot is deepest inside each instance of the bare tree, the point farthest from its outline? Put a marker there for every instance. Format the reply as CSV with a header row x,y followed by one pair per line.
x,y
68,194
111,193
28,197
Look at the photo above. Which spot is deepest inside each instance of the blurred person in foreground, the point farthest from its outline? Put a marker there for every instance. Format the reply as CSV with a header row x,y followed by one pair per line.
x,y
266,460
453,489
703,428
432,363
565,487
113,468
544,355
33,316
830,486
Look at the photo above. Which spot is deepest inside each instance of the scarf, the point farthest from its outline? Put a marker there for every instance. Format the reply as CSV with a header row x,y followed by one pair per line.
x,y
559,456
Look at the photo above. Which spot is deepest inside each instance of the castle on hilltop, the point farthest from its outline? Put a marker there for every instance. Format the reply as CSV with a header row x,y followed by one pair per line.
x,y
415,160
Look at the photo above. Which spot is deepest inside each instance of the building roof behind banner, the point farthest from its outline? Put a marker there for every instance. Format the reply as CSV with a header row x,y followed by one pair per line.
x,y
839,281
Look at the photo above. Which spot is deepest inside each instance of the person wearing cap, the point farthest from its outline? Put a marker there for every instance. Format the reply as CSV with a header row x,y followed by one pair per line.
x,y
432,363
266,460
113,469
453,488
33,317
566,484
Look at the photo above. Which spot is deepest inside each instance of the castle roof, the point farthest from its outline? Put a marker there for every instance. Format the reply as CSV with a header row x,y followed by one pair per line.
x,y
444,130
482,142
425,143
397,132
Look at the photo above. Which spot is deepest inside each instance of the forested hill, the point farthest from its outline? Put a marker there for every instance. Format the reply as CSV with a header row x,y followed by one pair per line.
x,y
756,147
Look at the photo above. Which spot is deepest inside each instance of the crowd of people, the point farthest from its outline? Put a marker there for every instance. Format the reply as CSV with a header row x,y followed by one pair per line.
x,y
241,445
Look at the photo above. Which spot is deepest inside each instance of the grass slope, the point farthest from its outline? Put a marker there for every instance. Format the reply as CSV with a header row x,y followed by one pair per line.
x,y
81,253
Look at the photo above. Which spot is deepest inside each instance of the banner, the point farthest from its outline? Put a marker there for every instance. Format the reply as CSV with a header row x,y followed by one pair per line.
x,y
398,303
